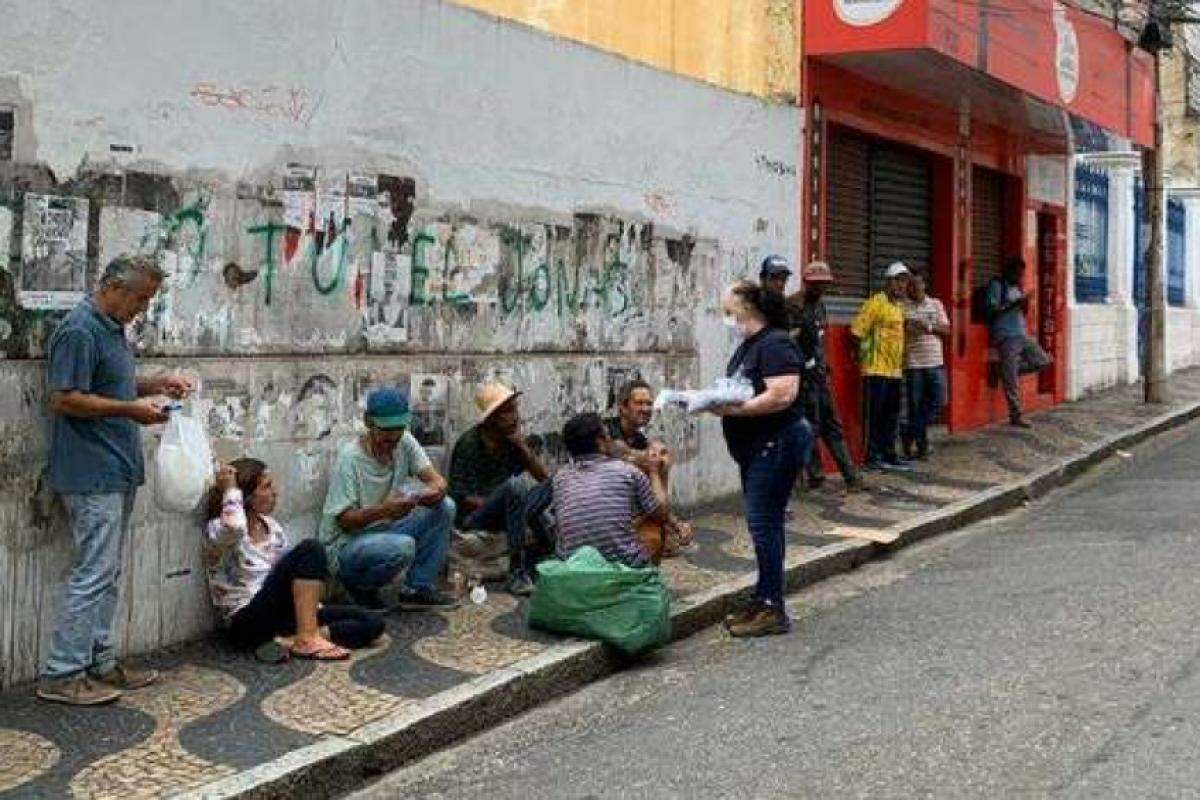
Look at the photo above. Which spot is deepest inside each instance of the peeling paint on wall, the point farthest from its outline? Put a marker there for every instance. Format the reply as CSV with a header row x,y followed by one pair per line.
x,y
342,221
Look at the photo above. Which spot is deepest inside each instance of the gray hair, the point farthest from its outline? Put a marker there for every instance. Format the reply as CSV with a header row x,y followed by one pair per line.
x,y
123,270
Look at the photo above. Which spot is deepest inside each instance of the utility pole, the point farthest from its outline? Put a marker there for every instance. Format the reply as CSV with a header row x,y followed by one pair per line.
x,y
1154,377
1156,37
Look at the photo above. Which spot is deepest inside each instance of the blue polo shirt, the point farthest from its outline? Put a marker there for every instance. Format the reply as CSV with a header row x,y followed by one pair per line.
x,y
89,353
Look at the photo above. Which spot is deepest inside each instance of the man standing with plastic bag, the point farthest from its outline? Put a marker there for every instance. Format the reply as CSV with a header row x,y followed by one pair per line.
x,y
97,403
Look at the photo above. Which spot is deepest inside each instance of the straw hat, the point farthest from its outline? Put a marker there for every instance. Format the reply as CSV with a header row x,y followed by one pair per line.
x,y
491,396
817,272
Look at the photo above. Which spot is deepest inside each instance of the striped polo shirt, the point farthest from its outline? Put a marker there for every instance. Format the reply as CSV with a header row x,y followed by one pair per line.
x,y
596,500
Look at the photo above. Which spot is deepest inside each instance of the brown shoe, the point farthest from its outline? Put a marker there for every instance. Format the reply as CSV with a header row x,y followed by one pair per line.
x,y
77,690
739,615
763,621
127,678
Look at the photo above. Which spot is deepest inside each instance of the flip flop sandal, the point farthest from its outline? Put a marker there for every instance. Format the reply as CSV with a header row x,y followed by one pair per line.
x,y
324,654
271,652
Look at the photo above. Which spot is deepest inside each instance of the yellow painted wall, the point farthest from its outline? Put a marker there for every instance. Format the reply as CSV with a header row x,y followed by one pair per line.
x,y
745,45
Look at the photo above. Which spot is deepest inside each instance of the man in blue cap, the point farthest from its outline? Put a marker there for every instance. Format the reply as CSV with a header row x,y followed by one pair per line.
x,y
774,274
386,511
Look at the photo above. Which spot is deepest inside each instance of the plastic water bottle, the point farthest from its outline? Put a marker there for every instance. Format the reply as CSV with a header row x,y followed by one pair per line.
x,y
478,593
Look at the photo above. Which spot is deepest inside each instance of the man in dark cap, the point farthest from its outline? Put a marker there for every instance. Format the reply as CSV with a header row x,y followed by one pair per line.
x,y
774,273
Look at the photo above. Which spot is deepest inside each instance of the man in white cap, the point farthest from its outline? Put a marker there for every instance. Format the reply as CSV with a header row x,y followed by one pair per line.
x,y
879,331
496,478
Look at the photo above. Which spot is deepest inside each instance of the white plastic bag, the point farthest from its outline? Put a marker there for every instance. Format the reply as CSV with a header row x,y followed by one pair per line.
x,y
183,468
725,391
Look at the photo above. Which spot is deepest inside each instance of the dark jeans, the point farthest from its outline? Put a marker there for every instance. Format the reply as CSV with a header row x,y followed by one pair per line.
x,y
767,480
821,412
883,417
509,508
272,612
926,388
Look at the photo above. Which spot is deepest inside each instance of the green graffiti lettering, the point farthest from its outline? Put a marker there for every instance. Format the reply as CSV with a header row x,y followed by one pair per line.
x,y
539,287
567,295
457,298
612,294
418,294
510,295
269,231
340,246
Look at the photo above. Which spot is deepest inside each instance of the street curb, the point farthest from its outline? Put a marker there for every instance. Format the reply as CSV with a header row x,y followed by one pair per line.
x,y
338,764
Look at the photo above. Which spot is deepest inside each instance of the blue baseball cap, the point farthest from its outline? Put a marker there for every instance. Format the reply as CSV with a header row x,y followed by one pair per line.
x,y
775,265
388,409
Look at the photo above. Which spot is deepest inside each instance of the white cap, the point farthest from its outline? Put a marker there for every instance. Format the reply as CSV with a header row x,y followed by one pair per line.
x,y
895,270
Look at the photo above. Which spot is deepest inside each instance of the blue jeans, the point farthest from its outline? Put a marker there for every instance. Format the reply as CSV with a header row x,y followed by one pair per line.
x,y
420,542
83,632
926,396
507,509
767,480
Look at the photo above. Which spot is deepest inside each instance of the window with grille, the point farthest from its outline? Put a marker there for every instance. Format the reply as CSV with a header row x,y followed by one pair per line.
x,y
1091,235
1176,252
7,131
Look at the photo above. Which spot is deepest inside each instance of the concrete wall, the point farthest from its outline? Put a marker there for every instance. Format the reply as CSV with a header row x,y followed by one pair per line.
x,y
743,45
545,212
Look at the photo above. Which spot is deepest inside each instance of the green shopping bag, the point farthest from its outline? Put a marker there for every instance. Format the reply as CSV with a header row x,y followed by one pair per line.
x,y
591,597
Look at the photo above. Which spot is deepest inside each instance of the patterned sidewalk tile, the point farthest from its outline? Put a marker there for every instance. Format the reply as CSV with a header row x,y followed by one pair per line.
x,y
215,712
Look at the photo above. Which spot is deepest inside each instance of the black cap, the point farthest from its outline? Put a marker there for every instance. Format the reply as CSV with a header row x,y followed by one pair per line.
x,y
774,265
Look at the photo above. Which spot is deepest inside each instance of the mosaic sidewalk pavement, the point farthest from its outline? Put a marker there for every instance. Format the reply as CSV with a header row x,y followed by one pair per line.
x,y
216,712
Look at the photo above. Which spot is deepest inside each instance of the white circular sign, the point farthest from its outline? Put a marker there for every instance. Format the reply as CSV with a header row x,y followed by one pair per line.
x,y
1066,54
862,13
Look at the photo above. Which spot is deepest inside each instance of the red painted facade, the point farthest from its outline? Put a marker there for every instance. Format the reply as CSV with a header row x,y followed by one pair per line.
x,y
968,85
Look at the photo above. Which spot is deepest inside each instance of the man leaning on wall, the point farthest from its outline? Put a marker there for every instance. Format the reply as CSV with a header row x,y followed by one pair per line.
x,y
97,403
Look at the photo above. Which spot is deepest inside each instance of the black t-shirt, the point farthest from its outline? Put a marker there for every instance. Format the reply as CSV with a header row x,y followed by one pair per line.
x,y
770,353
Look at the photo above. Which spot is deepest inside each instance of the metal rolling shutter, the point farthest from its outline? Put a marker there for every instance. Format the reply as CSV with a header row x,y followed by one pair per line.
x,y
987,224
901,227
847,235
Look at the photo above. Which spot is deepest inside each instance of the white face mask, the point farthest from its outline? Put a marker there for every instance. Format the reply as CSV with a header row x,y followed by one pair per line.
x,y
731,322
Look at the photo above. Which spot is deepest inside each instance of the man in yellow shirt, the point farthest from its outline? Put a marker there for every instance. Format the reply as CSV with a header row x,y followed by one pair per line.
x,y
879,332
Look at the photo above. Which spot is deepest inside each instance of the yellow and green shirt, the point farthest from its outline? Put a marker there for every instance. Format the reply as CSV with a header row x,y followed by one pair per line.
x,y
879,328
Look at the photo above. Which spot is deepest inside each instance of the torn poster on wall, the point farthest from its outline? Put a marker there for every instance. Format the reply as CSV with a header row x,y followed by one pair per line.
x,y
363,191
386,312
331,206
53,252
299,195
430,395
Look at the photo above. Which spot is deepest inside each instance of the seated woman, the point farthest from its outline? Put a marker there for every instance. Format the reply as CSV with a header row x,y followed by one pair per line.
x,y
263,587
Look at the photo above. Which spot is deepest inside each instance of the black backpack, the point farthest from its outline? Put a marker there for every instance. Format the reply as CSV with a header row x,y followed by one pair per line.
x,y
980,312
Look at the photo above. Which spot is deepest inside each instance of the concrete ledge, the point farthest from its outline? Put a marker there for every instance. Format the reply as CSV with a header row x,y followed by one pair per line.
x,y
338,764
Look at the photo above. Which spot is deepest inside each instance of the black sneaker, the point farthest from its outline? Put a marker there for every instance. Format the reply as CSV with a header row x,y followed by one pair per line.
x,y
816,482
424,599
897,465
1019,422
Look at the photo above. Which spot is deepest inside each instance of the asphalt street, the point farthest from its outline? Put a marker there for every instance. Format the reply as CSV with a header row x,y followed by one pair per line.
x,y
1052,652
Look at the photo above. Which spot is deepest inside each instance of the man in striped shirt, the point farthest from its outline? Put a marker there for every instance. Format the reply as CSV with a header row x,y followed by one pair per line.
x,y
598,498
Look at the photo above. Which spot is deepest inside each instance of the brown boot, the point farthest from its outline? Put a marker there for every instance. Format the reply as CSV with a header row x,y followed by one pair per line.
x,y
763,621
77,690
126,677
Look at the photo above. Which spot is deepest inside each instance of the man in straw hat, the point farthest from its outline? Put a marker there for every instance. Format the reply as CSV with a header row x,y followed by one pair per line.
x,y
495,477
810,322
